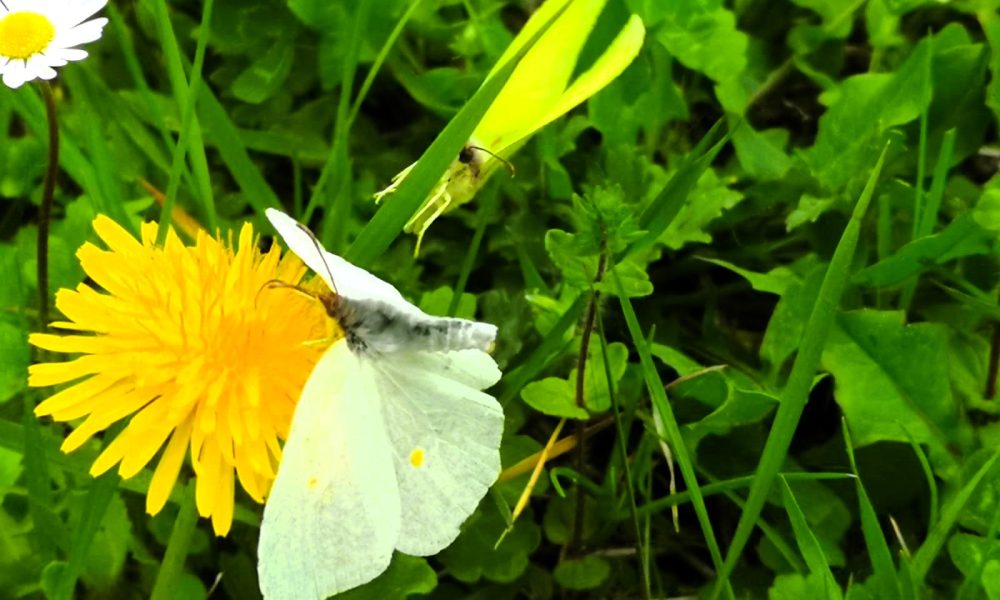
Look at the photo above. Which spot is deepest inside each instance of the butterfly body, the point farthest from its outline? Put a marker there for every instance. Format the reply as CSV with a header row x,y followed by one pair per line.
x,y
378,327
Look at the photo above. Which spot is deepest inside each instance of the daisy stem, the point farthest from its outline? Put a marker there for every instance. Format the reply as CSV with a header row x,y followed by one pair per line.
x,y
45,210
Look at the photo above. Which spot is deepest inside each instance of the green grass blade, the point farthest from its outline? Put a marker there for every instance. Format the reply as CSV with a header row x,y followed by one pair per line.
x,y
388,222
879,553
657,217
622,438
179,86
535,362
102,491
928,215
729,485
672,433
338,164
227,140
50,528
796,392
808,544
132,64
188,125
383,53
950,513
486,209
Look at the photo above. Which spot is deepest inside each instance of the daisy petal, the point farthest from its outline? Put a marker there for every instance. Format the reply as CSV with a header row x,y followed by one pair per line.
x,y
81,34
80,11
14,74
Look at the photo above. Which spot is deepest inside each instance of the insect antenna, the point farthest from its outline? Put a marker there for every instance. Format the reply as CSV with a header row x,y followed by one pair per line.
x,y
465,157
319,250
277,283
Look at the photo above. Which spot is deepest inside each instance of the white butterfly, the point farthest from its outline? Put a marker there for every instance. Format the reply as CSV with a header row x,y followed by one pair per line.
x,y
392,445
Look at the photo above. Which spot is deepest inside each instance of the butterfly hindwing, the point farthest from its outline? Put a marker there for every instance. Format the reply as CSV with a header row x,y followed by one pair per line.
x,y
445,435
333,515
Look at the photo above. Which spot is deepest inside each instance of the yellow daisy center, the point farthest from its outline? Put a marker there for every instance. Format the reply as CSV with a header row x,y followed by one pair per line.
x,y
25,34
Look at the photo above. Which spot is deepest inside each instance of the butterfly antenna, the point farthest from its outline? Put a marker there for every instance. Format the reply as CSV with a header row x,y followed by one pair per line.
x,y
319,249
278,284
506,163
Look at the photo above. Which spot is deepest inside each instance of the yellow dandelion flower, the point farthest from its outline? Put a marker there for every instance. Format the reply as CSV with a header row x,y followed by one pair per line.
x,y
189,346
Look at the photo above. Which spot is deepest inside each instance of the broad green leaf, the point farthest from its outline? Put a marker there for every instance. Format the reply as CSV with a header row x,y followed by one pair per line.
x,y
784,330
557,397
891,381
709,199
319,14
741,407
974,556
560,519
406,576
14,356
990,22
472,556
776,281
837,14
762,153
793,586
265,76
701,34
108,548
860,110
579,267
436,302
584,573
962,237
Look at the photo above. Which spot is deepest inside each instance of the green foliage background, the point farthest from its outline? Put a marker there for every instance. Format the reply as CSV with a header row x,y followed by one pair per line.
x,y
776,231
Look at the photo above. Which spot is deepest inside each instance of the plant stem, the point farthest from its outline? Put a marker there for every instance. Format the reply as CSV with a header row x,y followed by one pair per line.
x,y
178,545
581,369
45,210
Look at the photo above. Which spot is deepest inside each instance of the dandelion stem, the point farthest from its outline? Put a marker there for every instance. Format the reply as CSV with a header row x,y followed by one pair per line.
x,y
177,548
45,210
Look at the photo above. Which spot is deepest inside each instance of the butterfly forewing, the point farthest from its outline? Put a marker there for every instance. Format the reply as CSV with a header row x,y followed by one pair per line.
x,y
333,516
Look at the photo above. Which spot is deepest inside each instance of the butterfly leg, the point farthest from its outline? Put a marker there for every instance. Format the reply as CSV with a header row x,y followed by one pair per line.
x,y
396,180
438,203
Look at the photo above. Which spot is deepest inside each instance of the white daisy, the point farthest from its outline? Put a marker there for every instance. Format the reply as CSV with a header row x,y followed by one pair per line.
x,y
37,35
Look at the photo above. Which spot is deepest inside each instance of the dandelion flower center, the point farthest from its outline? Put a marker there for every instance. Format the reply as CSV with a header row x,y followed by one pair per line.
x,y
25,34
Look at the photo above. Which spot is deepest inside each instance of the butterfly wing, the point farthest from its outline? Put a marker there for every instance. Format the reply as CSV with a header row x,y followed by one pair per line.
x,y
445,436
348,280
333,515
